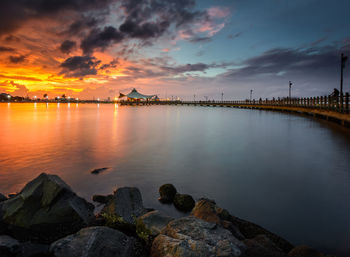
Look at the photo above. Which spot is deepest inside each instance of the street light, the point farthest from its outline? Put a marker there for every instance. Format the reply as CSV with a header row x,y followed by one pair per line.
x,y
290,89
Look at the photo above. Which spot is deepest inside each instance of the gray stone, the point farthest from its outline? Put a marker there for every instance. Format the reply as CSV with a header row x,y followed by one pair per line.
x,y
148,226
9,247
126,204
45,210
94,242
193,237
2,197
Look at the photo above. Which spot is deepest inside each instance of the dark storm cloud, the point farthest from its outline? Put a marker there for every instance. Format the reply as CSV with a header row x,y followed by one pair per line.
x,y
67,46
100,39
17,58
14,13
140,22
6,49
79,66
312,70
145,30
311,61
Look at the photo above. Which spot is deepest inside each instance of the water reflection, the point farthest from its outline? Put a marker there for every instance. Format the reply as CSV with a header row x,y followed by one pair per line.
x,y
288,173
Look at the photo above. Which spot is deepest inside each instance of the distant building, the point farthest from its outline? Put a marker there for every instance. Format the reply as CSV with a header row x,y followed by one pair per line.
x,y
136,96
5,97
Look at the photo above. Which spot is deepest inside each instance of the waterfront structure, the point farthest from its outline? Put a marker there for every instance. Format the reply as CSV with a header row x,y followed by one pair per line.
x,y
136,96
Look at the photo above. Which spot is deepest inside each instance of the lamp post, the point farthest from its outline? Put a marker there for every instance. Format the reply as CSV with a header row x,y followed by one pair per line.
x,y
290,89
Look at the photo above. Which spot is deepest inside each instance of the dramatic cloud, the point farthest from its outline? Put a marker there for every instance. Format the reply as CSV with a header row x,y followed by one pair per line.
x,y
67,46
79,66
313,69
6,49
100,39
13,88
17,58
14,13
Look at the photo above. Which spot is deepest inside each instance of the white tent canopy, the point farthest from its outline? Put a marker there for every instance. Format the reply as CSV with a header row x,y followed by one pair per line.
x,y
136,95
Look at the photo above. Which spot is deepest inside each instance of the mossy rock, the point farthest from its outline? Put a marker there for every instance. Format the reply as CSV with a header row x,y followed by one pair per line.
x,y
184,202
150,225
167,193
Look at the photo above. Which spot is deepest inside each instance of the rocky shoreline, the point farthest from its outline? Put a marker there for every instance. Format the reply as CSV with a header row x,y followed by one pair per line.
x,y
47,219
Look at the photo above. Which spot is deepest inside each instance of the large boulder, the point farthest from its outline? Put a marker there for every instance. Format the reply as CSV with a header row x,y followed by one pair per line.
x,y
9,247
193,237
208,210
304,251
167,193
126,205
93,242
103,199
45,210
262,246
149,226
2,197
184,202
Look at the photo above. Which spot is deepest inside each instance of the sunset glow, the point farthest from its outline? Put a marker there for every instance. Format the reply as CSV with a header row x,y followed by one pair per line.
x,y
168,48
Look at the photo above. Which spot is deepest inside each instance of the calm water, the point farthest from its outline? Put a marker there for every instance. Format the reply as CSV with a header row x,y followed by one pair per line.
x,y
290,174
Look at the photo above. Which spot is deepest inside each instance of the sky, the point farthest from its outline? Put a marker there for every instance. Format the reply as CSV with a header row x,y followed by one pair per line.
x,y
175,48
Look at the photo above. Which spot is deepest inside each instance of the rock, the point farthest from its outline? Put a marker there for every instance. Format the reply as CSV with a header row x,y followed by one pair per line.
x,y
167,193
45,210
262,246
148,226
94,241
251,230
193,237
35,250
208,210
184,202
9,247
102,198
126,205
11,195
98,171
2,197
304,251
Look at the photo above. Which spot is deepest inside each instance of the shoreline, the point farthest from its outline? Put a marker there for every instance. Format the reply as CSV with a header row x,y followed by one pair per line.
x,y
50,219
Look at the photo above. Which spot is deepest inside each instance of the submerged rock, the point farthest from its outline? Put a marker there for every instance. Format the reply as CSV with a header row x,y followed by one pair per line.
x,y
94,242
99,170
2,197
45,210
193,237
9,247
126,205
167,193
148,226
184,202
208,210
304,251
262,246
